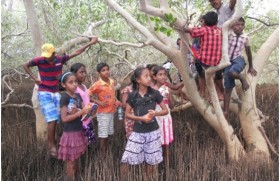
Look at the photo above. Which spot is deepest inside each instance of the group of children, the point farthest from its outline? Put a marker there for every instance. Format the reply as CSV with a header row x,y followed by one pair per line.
x,y
147,101
209,53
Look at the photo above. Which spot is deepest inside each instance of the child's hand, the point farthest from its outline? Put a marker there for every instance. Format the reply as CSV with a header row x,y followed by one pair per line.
x,y
93,40
252,71
152,113
149,117
38,82
118,103
86,109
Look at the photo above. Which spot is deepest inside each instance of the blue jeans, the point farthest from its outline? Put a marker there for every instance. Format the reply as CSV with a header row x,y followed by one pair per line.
x,y
237,66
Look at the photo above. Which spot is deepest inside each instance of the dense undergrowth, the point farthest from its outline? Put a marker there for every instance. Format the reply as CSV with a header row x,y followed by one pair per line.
x,y
196,154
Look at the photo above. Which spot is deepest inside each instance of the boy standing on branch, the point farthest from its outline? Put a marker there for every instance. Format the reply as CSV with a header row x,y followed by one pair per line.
x,y
50,69
224,12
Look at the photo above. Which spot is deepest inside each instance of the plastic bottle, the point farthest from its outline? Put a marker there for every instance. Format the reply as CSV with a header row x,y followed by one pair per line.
x,y
71,105
120,113
93,108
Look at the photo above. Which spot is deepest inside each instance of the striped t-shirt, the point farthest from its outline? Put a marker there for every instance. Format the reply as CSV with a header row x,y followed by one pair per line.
x,y
49,72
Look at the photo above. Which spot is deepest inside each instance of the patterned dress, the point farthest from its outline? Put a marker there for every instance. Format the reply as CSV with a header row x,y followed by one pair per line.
x,y
88,126
128,124
165,122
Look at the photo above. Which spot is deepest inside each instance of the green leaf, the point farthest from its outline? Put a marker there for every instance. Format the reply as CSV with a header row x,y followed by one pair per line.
x,y
163,29
152,18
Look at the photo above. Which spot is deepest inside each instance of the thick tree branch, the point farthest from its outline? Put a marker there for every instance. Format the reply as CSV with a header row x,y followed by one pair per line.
x,y
168,51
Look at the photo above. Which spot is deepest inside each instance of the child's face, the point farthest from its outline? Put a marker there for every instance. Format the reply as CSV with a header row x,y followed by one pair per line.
x,y
70,84
104,72
81,74
216,4
238,27
145,78
161,76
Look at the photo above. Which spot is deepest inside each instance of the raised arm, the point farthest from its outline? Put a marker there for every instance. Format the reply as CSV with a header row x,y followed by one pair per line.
x,y
94,40
232,4
251,69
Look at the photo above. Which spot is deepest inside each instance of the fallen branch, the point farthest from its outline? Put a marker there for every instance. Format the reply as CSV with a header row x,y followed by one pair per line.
x,y
267,140
17,105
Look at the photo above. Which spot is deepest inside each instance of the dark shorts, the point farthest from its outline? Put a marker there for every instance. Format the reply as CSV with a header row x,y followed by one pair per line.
x,y
200,67
237,66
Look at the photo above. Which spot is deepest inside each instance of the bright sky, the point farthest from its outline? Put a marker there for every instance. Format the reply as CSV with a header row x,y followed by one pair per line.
x,y
262,6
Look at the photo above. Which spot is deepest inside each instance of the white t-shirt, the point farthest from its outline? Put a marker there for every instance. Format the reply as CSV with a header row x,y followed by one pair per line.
x,y
224,14
167,65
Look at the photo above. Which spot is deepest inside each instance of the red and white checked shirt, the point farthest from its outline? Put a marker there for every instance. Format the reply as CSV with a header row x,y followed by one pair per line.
x,y
236,44
211,44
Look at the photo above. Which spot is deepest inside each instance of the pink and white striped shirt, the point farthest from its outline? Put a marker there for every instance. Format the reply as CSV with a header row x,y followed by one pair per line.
x,y
236,44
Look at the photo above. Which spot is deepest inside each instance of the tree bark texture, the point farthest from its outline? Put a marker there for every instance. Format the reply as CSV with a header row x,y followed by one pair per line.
x,y
41,125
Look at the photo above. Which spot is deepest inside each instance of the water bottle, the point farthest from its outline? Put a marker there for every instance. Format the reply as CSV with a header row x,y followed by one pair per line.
x,y
93,108
120,113
71,105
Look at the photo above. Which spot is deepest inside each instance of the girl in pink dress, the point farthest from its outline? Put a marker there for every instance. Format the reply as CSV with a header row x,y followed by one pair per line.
x,y
79,70
165,122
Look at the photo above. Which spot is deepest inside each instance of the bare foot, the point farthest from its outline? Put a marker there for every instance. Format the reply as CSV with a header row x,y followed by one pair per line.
x,y
245,85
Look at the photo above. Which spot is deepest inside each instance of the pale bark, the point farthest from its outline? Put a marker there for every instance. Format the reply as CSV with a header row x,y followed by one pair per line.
x,y
212,114
41,125
249,115
234,147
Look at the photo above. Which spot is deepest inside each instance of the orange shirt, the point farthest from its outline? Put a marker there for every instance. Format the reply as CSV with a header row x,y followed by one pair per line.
x,y
106,93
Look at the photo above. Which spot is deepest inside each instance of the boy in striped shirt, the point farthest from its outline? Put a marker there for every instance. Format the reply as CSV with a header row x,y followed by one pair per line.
x,y
50,69
237,41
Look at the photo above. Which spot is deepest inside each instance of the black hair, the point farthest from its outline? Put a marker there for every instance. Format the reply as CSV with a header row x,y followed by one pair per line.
x,y
101,65
157,69
75,67
177,42
62,79
151,66
241,20
210,18
136,75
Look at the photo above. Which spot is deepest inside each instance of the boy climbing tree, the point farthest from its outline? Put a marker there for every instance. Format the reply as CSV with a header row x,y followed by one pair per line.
x,y
237,41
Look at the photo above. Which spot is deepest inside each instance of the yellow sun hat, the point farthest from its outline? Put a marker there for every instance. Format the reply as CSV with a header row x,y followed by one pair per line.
x,y
47,50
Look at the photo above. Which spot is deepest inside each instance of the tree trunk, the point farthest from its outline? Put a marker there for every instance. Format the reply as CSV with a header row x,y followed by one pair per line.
x,y
41,125
249,117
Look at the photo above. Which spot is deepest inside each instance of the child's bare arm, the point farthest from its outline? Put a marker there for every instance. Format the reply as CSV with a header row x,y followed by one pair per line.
x,y
124,98
251,69
170,100
163,111
175,87
93,40
27,69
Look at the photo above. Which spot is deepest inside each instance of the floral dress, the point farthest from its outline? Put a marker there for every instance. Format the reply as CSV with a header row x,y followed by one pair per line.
x,y
165,122
128,124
